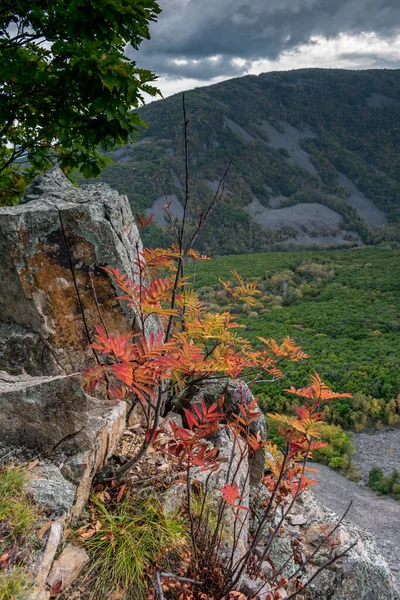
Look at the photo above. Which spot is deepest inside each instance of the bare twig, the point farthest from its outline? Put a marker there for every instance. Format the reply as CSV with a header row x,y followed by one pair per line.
x,y
203,218
183,579
166,208
159,586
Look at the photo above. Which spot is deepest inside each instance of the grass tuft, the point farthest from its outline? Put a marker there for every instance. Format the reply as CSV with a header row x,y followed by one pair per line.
x,y
134,536
15,584
18,514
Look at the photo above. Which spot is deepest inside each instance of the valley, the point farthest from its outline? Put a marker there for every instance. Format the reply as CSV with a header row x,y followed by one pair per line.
x,y
342,307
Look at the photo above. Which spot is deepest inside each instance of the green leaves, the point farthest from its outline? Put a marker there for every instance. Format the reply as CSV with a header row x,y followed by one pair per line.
x,y
68,89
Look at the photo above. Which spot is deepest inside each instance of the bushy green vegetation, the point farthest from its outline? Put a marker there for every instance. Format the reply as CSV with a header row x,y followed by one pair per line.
x,y
385,485
132,535
67,87
342,307
336,454
352,136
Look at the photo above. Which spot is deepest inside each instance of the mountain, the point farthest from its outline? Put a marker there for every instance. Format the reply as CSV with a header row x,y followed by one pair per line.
x,y
315,160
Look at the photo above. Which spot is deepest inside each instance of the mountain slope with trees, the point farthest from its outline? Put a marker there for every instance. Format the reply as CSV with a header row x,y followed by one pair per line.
x,y
315,159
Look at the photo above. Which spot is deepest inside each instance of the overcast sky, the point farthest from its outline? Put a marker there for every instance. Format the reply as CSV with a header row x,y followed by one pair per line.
x,y
199,42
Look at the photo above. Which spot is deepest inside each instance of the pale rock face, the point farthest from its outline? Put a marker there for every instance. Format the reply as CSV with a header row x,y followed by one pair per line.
x,y
51,286
361,574
67,566
52,295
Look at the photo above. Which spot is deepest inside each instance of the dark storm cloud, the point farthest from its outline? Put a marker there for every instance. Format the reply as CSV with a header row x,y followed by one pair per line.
x,y
193,31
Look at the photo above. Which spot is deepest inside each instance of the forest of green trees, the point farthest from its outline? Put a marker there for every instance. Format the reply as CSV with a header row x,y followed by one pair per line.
x,y
342,307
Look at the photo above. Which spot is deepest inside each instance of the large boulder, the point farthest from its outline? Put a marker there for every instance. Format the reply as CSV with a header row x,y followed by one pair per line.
x,y
52,295
47,413
52,291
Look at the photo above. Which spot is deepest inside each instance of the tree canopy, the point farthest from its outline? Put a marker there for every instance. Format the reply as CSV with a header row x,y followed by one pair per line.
x,y
67,90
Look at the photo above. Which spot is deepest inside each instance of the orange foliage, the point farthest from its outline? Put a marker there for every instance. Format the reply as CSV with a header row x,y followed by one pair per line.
x,y
200,344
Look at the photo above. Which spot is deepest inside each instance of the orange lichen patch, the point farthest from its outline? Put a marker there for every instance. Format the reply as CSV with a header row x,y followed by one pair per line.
x,y
89,276
52,287
65,298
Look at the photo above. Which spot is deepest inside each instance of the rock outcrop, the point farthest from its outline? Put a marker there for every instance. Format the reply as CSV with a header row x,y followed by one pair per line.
x,y
52,295
360,574
52,291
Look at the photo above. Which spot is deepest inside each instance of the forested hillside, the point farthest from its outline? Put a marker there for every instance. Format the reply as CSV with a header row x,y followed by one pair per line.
x,y
315,160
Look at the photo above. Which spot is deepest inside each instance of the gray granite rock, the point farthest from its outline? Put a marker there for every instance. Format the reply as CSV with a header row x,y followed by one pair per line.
x,y
47,413
234,392
50,489
52,247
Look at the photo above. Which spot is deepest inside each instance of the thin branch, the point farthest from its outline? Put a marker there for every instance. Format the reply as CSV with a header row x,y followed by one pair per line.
x,y
159,587
186,202
166,208
184,579
322,567
203,218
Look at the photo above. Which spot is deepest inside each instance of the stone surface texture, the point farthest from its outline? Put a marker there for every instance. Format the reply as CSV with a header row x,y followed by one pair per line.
x,y
44,563
51,286
67,566
50,489
47,413
234,393
361,574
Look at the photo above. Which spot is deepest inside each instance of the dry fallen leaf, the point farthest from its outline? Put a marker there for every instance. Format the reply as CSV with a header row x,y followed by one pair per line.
x,y
87,534
98,525
121,493
43,530
4,559
33,464
56,588
79,531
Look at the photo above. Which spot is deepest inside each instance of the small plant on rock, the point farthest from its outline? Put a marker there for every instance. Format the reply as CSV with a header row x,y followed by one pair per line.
x,y
151,369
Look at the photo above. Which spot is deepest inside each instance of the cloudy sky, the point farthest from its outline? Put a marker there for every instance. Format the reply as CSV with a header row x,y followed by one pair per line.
x,y
199,42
